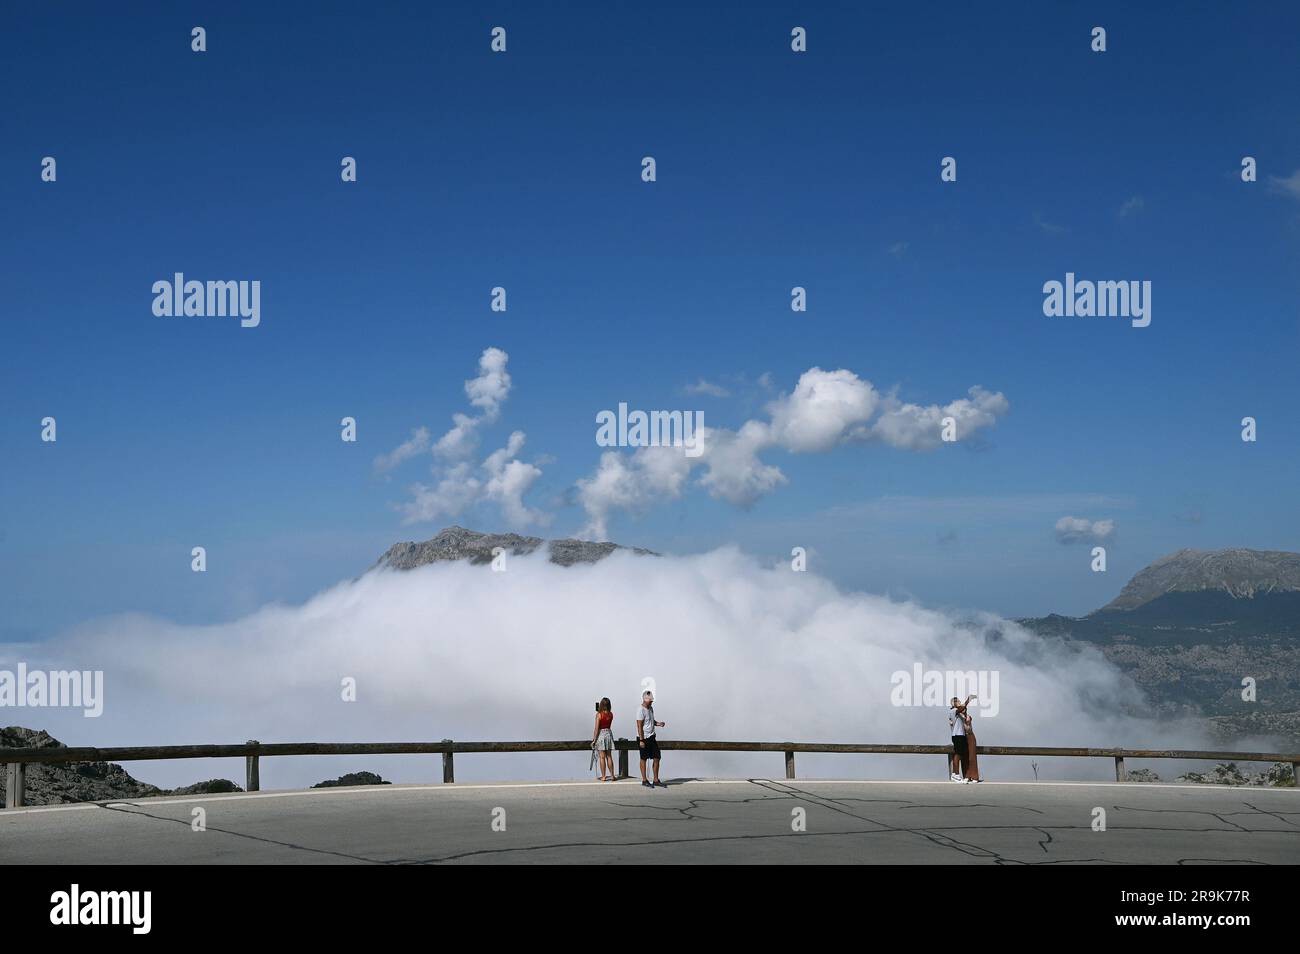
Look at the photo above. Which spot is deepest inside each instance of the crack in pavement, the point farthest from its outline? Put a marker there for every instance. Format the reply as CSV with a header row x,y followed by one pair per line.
x,y
1277,815
692,804
112,807
1183,811
939,839
1047,835
929,834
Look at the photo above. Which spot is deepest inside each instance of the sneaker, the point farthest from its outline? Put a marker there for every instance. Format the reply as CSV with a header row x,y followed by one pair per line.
x,y
662,784
646,784
955,777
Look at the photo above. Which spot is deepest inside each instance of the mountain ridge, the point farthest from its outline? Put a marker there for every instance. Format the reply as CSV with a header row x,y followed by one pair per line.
x,y
1238,572
1191,626
457,543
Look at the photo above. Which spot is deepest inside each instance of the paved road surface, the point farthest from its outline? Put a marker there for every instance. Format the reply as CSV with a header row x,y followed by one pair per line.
x,y
691,821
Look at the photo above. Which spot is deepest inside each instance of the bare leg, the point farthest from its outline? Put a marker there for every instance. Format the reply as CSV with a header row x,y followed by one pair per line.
x,y
643,778
656,771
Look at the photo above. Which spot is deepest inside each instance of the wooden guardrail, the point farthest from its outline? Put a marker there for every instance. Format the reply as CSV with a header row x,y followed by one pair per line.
x,y
253,751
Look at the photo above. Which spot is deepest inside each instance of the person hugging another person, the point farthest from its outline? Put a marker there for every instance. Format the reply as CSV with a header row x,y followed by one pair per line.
x,y
963,742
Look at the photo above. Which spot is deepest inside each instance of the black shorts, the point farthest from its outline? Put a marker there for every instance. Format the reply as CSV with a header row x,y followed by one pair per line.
x,y
650,749
959,744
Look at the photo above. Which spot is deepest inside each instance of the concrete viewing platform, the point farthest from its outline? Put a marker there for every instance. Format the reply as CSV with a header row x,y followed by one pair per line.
x,y
767,821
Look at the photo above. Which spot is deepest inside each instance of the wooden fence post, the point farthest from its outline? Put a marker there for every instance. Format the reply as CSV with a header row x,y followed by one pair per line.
x,y
16,785
252,773
448,766
789,765
622,758
1120,774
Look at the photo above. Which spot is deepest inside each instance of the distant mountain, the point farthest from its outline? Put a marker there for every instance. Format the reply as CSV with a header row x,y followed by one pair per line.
x,y
1193,597
1236,574
457,543
1191,626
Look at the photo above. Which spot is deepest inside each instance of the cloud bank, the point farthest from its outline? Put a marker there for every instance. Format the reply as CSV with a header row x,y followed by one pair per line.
x,y
738,651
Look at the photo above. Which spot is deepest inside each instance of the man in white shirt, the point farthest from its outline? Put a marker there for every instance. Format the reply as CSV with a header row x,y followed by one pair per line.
x,y
645,737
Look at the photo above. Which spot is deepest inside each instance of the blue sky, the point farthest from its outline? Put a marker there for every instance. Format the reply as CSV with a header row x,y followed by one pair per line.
x,y
523,170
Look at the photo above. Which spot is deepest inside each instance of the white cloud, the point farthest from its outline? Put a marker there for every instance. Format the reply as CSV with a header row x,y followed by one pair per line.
x,y
734,472
825,409
630,482
821,410
707,388
1132,206
501,478
1081,530
492,386
504,480
508,480
1289,185
461,440
455,492
917,427
417,444
487,392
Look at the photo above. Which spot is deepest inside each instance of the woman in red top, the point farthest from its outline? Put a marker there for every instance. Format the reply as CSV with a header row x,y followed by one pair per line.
x,y
602,739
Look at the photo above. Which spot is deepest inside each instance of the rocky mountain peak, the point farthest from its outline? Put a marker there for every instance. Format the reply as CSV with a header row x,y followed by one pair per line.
x,y
1239,573
458,543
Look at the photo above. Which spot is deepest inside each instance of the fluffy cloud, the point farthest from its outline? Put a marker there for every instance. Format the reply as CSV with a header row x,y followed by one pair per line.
x,y
734,472
416,445
492,386
501,478
631,482
1081,530
461,440
825,409
917,427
